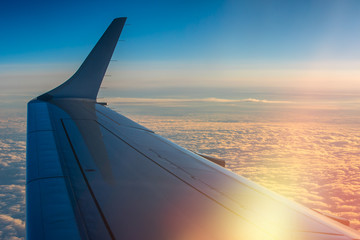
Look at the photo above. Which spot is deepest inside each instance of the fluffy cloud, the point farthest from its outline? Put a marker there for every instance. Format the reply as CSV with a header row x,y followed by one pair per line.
x,y
186,100
315,164
12,178
310,155
12,207
12,228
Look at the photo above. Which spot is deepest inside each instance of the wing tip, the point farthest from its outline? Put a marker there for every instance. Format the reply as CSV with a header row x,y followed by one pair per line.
x,y
120,19
86,81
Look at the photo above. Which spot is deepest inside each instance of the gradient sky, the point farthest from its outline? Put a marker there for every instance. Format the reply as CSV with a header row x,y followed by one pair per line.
x,y
255,43
41,31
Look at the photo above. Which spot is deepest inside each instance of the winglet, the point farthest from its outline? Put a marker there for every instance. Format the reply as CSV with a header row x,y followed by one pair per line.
x,y
85,83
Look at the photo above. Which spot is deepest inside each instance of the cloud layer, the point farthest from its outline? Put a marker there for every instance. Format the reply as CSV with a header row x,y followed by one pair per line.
x,y
307,153
314,164
186,100
12,178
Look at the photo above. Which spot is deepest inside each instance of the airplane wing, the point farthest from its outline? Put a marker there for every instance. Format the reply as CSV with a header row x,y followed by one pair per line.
x,y
95,174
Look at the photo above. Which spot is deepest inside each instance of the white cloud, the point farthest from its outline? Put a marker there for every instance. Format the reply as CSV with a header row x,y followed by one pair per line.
x,y
186,100
12,217
303,161
12,178
313,159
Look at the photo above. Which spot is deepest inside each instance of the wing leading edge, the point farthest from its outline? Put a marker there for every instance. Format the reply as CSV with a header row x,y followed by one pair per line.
x,y
95,174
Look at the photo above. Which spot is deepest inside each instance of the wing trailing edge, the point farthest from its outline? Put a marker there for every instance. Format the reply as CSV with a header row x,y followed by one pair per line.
x,y
86,81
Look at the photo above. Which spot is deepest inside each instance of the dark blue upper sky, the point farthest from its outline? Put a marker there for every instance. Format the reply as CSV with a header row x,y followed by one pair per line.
x,y
57,31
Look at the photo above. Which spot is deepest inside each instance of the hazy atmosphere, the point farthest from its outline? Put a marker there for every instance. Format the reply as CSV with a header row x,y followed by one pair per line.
x,y
272,87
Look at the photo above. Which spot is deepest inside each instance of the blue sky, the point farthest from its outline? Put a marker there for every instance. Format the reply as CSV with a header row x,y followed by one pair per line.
x,y
187,43
57,31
